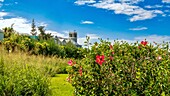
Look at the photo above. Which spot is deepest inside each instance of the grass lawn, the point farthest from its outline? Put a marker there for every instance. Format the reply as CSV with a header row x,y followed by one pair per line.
x,y
60,86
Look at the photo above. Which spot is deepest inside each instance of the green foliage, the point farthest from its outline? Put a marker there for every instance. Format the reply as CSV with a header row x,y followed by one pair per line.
x,y
53,48
72,51
18,42
47,47
11,42
8,31
22,80
43,35
122,69
21,68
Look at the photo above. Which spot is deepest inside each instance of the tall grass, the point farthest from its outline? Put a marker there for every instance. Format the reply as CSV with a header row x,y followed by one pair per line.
x,y
23,74
52,65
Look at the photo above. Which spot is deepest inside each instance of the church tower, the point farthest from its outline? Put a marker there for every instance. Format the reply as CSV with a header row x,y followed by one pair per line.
x,y
73,36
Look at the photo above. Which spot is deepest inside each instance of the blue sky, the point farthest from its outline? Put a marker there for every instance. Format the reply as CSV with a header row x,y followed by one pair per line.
x,y
129,20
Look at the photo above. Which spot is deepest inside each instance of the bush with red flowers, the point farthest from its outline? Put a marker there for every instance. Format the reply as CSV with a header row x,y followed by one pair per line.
x,y
122,69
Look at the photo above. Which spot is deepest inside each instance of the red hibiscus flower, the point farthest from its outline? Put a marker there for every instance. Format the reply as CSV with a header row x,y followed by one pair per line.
x,y
70,62
100,59
144,43
80,71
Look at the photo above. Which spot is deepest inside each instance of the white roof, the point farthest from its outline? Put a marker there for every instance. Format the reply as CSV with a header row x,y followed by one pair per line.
x,y
66,40
61,39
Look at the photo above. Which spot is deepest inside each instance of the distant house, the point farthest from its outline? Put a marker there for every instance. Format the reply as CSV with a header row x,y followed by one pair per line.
x,y
1,35
72,38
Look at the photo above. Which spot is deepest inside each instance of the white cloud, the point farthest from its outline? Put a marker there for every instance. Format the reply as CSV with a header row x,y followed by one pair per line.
x,y
55,33
87,22
93,38
119,8
2,14
127,7
136,12
150,38
82,2
153,38
145,15
138,28
123,1
130,1
81,40
158,12
166,1
154,6
42,24
21,25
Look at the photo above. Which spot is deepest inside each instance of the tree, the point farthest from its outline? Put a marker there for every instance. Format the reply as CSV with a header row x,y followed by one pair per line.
x,y
8,31
43,35
48,36
42,32
33,30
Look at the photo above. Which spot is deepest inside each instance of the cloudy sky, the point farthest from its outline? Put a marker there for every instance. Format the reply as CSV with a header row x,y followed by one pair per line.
x,y
129,20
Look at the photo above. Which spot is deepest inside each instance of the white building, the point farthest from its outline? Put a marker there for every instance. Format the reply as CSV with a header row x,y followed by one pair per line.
x,y
72,38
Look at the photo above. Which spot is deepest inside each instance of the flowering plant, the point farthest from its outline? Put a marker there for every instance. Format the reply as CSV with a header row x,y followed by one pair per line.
x,y
122,69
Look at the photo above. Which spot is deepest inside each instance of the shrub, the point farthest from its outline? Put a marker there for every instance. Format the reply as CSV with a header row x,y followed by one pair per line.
x,y
122,69
22,80
16,42
71,50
